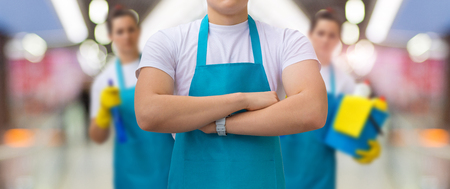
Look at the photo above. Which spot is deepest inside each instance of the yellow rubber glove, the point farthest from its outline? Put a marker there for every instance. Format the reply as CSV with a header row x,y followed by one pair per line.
x,y
367,156
108,99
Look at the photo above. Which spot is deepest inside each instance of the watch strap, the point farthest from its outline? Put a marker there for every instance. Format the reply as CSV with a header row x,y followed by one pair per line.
x,y
220,127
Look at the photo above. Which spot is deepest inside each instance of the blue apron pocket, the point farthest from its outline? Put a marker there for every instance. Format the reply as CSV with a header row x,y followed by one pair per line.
x,y
253,174
201,174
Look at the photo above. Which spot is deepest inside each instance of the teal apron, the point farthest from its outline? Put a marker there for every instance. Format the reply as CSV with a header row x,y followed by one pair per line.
x,y
206,161
143,161
308,162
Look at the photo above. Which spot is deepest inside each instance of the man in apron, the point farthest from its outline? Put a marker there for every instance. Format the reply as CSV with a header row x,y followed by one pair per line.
x,y
142,160
214,82
308,161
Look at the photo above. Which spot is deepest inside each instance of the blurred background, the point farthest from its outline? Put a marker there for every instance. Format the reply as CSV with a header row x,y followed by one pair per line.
x,y
50,50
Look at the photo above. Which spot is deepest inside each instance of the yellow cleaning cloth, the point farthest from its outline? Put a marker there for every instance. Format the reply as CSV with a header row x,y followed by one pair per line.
x,y
352,115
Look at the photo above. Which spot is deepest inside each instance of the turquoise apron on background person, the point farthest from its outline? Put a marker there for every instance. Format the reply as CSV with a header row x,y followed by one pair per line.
x,y
308,162
206,161
143,161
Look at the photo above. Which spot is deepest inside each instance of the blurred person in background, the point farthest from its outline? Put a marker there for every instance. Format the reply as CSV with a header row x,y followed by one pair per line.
x,y
308,161
143,160
218,66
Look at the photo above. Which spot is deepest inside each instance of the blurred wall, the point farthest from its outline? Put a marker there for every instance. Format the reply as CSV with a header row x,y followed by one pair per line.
x,y
4,113
446,113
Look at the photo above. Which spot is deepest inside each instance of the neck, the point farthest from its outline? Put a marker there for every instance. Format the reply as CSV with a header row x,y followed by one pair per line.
x,y
226,19
325,61
129,57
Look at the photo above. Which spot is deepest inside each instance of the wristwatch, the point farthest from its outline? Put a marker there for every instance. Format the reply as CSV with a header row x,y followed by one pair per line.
x,y
220,127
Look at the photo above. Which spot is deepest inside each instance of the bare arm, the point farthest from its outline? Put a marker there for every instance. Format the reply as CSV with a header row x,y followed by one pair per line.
x,y
97,134
158,110
304,110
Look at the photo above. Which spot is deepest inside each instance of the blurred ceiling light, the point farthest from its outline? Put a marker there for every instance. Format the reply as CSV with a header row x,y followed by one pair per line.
x,y
163,16
280,13
34,44
381,20
91,57
14,48
354,11
98,11
418,47
101,34
71,19
361,57
350,33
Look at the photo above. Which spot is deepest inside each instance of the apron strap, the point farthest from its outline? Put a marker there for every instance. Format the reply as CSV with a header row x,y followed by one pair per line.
x,y
120,74
256,45
203,41
332,81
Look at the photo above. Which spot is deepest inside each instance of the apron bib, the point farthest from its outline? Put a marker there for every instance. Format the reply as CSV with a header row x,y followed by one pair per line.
x,y
309,162
205,161
143,161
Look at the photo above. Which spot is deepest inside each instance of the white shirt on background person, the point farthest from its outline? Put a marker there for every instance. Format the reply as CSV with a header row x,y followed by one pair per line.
x,y
102,81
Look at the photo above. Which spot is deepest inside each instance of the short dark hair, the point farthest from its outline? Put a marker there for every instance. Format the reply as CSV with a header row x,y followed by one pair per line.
x,y
120,11
325,15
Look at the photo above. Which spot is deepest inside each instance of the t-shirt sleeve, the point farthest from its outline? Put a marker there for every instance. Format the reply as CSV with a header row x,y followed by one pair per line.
x,y
296,48
159,52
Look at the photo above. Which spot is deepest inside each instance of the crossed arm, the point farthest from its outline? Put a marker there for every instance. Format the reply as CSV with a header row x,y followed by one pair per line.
x,y
157,110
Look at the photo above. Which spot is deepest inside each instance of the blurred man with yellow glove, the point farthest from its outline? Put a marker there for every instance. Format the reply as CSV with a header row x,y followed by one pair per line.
x,y
141,158
109,98
308,161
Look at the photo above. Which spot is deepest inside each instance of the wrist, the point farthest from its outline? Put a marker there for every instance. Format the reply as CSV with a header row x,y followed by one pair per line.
x,y
240,99
103,118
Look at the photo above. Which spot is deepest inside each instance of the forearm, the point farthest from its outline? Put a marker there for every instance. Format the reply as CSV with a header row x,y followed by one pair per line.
x,y
175,114
299,113
97,134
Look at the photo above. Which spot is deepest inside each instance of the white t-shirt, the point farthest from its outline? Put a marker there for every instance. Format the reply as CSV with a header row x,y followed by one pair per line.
x,y
101,82
174,51
344,82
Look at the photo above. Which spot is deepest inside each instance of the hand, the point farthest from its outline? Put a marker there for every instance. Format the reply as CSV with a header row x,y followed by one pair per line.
x,y
108,99
209,129
260,100
371,154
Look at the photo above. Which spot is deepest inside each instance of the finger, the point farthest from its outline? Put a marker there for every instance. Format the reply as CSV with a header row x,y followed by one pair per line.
x,y
112,89
373,143
376,148
377,152
363,152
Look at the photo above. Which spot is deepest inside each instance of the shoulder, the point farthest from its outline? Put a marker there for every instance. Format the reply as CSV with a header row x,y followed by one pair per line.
x,y
180,32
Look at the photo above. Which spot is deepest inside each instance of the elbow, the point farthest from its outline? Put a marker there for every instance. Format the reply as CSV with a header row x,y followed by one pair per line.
x,y
319,121
148,120
319,118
